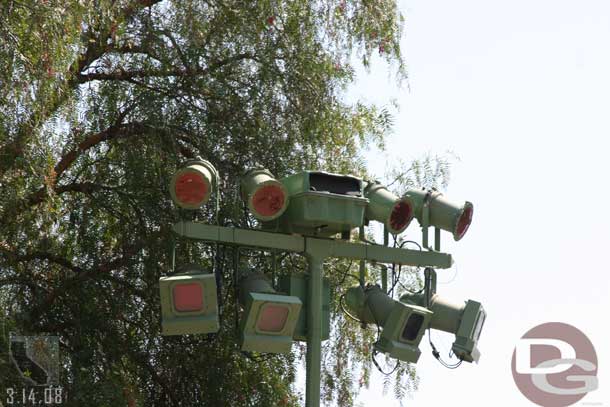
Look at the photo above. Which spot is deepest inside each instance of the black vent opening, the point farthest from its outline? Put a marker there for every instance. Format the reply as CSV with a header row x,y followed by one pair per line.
x,y
335,184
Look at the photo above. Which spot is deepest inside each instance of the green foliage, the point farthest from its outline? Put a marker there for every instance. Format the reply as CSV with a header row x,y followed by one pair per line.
x,y
428,172
100,101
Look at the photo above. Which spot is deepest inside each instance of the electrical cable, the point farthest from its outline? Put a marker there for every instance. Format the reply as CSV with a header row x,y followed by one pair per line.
x,y
410,241
452,278
247,217
395,279
218,273
391,290
236,254
373,353
411,292
437,355
347,312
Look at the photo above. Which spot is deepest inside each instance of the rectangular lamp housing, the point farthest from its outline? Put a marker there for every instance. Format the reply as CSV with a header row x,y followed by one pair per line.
x,y
268,322
189,304
469,332
403,331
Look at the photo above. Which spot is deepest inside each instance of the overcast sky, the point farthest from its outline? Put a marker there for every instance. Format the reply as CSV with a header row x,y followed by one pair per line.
x,y
520,91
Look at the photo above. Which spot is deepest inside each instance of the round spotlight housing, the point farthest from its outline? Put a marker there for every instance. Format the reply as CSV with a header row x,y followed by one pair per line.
x,y
266,197
192,185
443,213
385,207
465,320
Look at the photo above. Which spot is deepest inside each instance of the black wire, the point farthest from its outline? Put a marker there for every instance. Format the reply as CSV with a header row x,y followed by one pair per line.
x,y
218,273
391,290
247,217
395,278
373,353
235,287
347,312
228,277
437,355
411,292
421,290
410,241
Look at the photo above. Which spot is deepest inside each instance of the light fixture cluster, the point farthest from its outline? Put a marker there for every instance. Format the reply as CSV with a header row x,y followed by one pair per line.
x,y
319,204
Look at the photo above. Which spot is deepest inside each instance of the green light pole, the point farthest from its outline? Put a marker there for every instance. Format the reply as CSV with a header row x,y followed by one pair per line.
x,y
314,328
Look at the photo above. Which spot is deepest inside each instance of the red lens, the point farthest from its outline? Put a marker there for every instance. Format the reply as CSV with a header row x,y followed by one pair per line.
x,y
191,188
401,215
188,297
464,222
268,200
272,318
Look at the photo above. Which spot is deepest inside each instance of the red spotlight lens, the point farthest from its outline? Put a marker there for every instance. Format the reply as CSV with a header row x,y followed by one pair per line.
x,y
272,318
191,188
464,222
401,215
188,297
268,200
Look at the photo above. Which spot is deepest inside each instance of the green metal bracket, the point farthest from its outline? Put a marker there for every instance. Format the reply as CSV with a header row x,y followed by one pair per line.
x,y
425,223
384,268
437,239
296,243
296,285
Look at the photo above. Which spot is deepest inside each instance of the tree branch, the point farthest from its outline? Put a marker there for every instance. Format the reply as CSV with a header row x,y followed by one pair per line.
x,y
96,46
83,275
123,75
111,133
39,255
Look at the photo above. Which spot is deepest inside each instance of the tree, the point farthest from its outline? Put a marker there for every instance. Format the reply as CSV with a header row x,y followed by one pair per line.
x,y
100,102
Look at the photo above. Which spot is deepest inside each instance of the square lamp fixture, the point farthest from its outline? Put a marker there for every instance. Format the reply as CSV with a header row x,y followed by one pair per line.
x,y
403,331
188,304
269,322
467,336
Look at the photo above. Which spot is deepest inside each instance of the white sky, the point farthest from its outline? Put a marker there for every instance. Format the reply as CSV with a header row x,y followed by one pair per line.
x,y
520,91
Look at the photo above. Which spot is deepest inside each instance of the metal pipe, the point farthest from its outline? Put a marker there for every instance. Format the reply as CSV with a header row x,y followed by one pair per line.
x,y
424,225
362,267
314,331
437,239
384,268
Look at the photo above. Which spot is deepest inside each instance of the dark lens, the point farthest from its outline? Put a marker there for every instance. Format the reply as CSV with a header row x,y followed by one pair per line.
x,y
479,326
412,327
